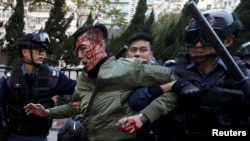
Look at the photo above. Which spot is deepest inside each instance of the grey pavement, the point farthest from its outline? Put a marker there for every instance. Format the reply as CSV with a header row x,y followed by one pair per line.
x,y
57,124
52,135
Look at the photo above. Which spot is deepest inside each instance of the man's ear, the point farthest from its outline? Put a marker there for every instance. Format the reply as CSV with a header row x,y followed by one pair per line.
x,y
229,41
24,52
101,46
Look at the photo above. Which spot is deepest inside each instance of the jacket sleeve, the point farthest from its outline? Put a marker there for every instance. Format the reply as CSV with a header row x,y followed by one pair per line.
x,y
67,110
154,74
166,102
63,111
160,106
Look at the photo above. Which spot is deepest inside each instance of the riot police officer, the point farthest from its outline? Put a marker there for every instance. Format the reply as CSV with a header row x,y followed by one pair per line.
x,y
244,53
219,109
32,80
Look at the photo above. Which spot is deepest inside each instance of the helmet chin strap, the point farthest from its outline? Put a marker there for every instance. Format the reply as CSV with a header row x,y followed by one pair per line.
x,y
203,58
32,62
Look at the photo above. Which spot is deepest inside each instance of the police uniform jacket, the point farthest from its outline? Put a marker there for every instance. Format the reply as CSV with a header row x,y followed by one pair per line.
x,y
19,122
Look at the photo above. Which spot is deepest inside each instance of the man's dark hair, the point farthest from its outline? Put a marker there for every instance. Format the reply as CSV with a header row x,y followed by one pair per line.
x,y
87,27
140,36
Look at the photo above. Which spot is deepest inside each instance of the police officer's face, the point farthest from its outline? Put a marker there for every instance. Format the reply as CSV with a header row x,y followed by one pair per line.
x,y
199,49
90,48
139,49
38,55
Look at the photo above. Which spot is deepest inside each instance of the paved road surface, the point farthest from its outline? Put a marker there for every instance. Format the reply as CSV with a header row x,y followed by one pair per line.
x,y
57,123
52,135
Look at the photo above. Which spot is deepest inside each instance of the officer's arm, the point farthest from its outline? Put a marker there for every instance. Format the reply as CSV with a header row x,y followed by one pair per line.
x,y
142,97
65,85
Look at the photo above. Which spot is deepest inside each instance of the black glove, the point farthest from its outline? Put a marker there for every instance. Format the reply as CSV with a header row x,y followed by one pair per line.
x,y
183,87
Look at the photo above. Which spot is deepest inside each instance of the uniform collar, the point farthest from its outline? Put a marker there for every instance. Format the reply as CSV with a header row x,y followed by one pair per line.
x,y
219,63
24,70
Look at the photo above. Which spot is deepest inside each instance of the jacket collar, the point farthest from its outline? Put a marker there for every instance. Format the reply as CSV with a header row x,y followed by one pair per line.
x,y
93,73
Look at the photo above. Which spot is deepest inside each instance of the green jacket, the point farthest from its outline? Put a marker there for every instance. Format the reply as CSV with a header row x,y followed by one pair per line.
x,y
115,81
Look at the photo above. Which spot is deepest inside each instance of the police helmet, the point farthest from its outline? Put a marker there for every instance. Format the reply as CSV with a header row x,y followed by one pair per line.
x,y
34,40
224,23
244,50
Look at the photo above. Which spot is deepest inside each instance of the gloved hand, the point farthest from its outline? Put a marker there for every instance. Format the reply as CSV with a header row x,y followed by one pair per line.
x,y
184,87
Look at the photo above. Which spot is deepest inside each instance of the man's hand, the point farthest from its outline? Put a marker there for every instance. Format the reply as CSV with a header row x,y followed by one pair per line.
x,y
76,105
130,124
36,109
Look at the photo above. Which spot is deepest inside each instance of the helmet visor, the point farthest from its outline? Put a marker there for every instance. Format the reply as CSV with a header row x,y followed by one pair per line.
x,y
41,38
191,37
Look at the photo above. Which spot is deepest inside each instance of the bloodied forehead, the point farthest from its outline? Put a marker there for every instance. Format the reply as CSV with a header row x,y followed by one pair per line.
x,y
94,36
